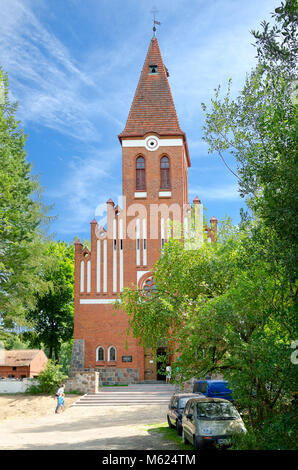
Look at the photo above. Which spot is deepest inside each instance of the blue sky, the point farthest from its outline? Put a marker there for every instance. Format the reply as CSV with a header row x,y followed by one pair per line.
x,y
74,65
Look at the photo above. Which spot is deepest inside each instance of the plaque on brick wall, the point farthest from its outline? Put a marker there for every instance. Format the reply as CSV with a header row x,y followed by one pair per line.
x,y
126,358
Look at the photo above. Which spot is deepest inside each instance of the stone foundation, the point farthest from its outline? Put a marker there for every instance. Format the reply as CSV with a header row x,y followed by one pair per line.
x,y
187,386
83,381
77,355
89,380
114,376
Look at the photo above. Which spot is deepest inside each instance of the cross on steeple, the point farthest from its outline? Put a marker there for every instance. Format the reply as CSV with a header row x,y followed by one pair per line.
x,y
154,11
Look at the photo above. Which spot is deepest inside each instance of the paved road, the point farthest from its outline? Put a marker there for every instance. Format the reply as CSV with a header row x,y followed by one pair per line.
x,y
89,428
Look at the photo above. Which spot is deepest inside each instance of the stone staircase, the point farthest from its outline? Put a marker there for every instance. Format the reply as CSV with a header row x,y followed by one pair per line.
x,y
133,394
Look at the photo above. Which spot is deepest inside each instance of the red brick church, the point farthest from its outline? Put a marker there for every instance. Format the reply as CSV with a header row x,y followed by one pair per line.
x,y
155,163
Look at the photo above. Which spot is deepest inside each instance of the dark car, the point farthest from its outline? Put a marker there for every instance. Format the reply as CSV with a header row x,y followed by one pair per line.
x,y
213,389
210,421
176,407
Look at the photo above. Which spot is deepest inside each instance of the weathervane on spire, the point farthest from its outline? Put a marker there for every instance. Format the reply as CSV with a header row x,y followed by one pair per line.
x,y
154,11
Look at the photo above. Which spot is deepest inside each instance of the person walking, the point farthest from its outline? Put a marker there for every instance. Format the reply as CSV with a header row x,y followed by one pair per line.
x,y
168,373
60,398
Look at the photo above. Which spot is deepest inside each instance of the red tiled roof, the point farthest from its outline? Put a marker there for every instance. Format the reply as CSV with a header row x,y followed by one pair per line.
x,y
19,357
153,108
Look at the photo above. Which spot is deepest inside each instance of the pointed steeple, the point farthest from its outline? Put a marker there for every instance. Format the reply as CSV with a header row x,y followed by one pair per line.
x,y
153,108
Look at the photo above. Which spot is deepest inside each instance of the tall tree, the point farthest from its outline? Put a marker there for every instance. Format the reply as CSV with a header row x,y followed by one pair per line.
x,y
277,44
219,310
259,128
22,216
52,317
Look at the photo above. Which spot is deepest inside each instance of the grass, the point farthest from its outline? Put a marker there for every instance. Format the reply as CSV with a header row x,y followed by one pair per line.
x,y
169,434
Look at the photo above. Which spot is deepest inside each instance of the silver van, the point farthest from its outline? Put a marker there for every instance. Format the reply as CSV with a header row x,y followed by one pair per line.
x,y
210,421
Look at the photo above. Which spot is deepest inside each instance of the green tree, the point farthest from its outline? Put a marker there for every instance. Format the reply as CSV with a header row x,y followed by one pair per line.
x,y
49,379
259,128
22,218
219,311
277,44
52,318
65,356
11,340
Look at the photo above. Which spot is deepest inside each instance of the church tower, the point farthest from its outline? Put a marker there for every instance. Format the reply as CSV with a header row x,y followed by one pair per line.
x,y
155,162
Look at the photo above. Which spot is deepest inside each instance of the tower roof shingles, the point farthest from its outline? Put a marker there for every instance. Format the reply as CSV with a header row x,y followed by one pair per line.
x,y
153,108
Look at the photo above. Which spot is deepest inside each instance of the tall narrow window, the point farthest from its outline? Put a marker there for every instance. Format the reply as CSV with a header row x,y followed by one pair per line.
x,y
112,353
140,177
100,354
165,173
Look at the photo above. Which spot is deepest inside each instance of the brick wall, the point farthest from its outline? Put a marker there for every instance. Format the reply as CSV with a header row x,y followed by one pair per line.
x,y
21,371
38,364
100,324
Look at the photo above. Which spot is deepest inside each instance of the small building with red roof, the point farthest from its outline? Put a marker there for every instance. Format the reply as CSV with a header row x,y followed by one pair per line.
x,y
22,363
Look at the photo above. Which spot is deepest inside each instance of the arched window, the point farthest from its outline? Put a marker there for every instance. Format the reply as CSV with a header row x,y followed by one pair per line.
x,y
100,354
112,353
140,174
165,173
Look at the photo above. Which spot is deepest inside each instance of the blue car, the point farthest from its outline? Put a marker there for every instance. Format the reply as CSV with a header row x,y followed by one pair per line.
x,y
213,389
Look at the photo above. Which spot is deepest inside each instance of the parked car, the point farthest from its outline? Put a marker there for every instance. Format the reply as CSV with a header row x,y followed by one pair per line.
x,y
176,407
210,421
213,389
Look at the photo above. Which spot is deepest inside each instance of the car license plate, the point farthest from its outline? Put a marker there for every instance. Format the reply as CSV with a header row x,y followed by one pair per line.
x,y
223,441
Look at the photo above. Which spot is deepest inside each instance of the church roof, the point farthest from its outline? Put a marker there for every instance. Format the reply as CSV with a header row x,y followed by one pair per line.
x,y
153,108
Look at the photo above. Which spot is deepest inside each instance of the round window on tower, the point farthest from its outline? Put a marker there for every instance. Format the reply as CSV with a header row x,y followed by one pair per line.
x,y
152,143
149,287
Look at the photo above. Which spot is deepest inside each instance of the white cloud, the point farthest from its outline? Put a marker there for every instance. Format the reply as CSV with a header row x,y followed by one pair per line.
x,y
85,190
51,88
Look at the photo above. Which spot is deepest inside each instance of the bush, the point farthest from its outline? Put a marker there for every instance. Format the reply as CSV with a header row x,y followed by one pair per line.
x,y
277,433
33,390
65,356
49,380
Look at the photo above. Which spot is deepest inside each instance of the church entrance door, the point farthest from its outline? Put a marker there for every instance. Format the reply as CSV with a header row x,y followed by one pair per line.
x,y
155,370
161,364
150,370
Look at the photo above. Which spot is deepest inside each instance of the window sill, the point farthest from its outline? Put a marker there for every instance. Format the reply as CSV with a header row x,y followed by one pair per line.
x,y
165,194
140,194
105,363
